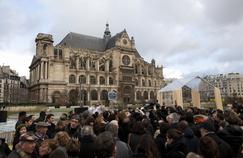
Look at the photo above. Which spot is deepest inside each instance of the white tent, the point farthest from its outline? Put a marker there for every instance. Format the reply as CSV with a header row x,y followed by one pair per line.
x,y
184,92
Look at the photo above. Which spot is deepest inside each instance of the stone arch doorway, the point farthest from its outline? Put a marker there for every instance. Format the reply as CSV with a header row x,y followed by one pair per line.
x,y
56,97
73,97
127,94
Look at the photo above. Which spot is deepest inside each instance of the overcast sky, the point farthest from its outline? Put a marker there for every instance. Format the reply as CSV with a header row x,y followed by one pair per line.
x,y
187,37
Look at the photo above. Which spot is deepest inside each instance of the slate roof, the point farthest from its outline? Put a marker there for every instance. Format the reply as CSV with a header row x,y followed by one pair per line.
x,y
76,40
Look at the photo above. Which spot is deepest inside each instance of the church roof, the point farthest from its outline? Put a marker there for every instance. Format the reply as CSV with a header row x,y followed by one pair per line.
x,y
76,40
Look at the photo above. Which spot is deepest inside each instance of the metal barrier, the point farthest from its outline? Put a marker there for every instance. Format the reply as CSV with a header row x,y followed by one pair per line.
x,y
8,136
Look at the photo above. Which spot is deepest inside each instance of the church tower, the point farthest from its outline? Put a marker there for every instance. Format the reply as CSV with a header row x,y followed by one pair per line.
x,y
44,44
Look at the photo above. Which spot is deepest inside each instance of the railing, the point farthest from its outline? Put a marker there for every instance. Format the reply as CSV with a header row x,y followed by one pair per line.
x,y
8,136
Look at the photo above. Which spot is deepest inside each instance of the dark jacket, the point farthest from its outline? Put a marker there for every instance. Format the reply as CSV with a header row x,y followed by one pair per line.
x,y
176,150
87,147
191,141
73,132
122,150
225,150
233,135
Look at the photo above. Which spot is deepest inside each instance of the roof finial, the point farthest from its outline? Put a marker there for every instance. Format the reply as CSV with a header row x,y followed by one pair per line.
x,y
107,30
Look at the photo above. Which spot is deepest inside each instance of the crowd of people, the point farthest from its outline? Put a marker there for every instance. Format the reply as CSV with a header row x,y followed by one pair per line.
x,y
151,132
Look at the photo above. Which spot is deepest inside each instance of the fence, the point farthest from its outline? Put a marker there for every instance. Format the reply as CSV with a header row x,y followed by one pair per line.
x,y
8,136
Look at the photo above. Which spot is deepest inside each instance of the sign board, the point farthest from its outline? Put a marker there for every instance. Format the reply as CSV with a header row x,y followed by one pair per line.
x,y
112,95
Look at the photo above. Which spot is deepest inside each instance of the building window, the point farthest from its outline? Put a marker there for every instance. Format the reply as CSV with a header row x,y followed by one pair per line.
x,y
92,80
72,79
110,81
82,79
60,54
55,54
104,95
102,80
145,95
138,95
94,95
110,65
150,83
82,63
143,83
136,82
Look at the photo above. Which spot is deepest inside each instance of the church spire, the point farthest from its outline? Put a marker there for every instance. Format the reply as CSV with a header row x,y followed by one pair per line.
x,y
107,33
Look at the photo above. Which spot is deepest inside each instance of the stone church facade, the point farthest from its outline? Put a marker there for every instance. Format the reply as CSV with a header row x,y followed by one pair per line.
x,y
82,70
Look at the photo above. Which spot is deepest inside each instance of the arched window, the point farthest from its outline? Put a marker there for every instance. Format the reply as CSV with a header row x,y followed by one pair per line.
x,y
102,80
82,79
152,95
92,80
155,83
127,90
138,95
82,63
73,97
72,79
104,95
110,65
136,82
94,95
136,69
145,95
143,82
149,83
111,81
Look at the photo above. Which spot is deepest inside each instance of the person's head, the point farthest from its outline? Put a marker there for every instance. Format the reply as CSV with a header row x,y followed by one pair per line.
x,y
22,115
73,148
173,135
75,121
105,145
138,128
173,118
113,128
208,147
42,114
182,125
21,129
87,130
47,146
62,138
50,118
147,147
28,121
61,125
27,143
206,127
42,127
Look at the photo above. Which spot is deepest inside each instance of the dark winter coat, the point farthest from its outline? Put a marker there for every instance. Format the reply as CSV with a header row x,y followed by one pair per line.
x,y
191,141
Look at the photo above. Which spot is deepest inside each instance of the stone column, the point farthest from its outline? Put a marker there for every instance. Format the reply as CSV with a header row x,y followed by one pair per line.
x,y
107,80
107,65
98,79
46,70
88,79
42,69
97,65
98,95
77,62
88,64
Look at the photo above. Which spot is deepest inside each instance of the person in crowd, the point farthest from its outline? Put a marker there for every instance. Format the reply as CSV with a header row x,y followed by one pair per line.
x,y
122,149
87,142
4,148
25,147
191,141
73,128
99,124
105,145
47,147
124,126
73,148
60,126
175,146
52,127
40,134
28,121
62,139
207,129
136,135
208,148
173,119
232,133
21,116
161,138
41,118
21,129
146,148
